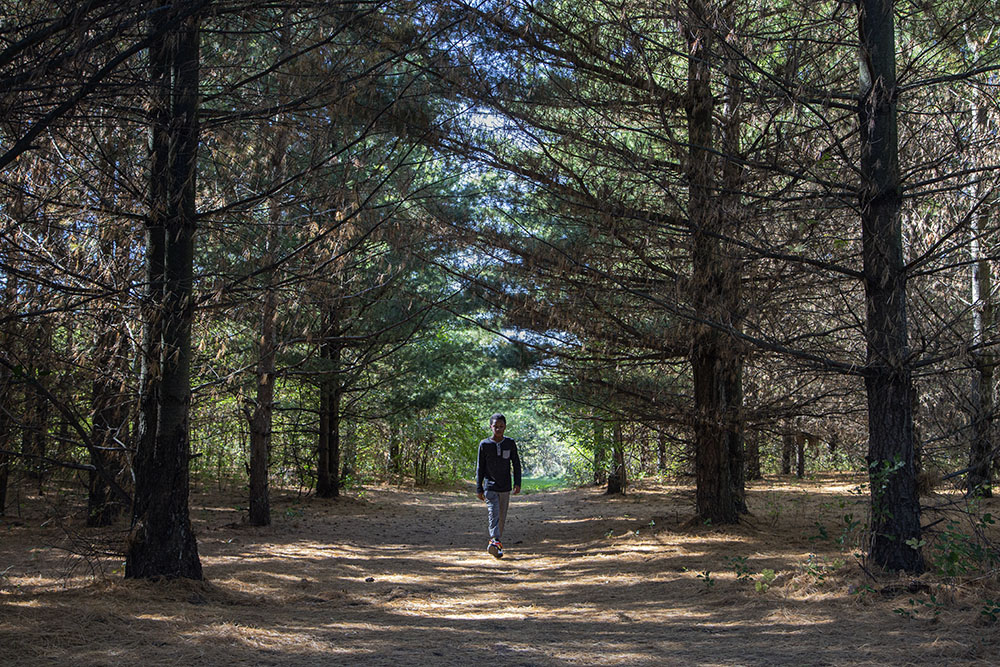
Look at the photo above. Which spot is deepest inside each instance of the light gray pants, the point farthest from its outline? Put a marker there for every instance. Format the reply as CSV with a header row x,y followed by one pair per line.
x,y
496,506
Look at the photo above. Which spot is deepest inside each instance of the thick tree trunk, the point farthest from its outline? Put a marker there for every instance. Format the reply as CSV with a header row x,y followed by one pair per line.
x,y
262,419
617,480
716,365
328,468
800,454
895,506
162,543
787,447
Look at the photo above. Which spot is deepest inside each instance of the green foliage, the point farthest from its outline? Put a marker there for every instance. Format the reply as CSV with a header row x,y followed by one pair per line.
x,y
819,567
767,577
921,607
990,611
955,552
741,568
745,574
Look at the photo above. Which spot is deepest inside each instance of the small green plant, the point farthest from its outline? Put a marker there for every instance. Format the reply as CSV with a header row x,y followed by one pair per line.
x,y
850,525
294,512
932,604
741,568
955,552
706,577
818,566
990,611
821,532
765,580
861,591
905,613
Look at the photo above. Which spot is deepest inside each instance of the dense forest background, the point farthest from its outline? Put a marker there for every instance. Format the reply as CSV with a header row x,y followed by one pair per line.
x,y
316,244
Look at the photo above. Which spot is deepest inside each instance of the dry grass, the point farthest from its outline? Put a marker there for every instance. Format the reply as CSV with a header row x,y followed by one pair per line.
x,y
395,577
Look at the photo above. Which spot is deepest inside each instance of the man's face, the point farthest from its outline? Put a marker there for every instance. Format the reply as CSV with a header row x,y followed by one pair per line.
x,y
498,428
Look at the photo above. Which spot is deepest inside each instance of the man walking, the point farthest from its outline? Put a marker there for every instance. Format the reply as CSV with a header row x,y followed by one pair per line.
x,y
493,479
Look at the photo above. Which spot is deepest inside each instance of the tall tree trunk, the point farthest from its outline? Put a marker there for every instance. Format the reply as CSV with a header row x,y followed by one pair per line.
x,y
716,366
800,454
787,447
328,468
261,424
162,543
617,478
262,419
895,505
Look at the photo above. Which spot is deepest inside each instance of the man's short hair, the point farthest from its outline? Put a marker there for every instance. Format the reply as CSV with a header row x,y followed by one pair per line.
x,y
494,418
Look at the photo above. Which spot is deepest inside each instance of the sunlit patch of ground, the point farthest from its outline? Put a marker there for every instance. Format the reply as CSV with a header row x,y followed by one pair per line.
x,y
401,577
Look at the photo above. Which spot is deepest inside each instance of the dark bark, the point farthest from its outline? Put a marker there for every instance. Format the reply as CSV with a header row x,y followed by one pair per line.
x,y
617,478
34,432
715,362
800,454
787,447
895,504
328,465
162,543
262,418
395,453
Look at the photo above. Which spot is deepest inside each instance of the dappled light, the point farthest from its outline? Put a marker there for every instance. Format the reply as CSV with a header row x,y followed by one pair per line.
x,y
587,579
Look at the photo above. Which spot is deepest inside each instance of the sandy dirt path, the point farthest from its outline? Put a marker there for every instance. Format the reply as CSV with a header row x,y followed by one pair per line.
x,y
402,578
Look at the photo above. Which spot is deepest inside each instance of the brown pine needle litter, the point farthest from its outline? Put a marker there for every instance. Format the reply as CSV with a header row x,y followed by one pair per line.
x,y
397,576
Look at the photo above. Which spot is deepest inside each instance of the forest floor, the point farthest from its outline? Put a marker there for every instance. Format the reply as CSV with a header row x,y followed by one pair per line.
x,y
393,576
